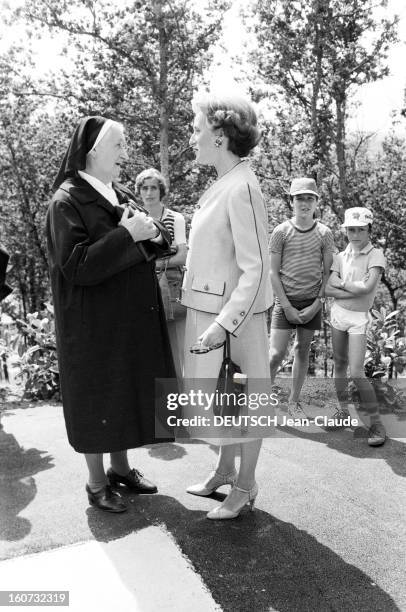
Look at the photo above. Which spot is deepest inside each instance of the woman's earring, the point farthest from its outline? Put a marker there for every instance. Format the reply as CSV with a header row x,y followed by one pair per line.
x,y
218,142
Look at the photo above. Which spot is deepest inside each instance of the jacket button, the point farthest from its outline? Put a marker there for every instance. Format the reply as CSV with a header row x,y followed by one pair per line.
x,y
104,421
206,287
152,308
242,313
235,322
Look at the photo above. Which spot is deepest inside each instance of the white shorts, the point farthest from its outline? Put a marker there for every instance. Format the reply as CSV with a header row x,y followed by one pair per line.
x,y
350,321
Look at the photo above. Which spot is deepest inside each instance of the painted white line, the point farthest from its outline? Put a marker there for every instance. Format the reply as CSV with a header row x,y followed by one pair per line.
x,y
142,572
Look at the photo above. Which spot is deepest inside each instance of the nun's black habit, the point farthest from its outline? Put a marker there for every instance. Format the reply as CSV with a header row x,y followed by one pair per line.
x,y
110,325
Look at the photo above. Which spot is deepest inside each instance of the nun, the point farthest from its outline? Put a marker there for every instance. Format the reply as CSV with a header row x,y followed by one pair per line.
x,y
111,332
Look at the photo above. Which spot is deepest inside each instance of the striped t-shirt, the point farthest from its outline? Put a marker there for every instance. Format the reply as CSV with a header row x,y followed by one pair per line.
x,y
302,251
175,223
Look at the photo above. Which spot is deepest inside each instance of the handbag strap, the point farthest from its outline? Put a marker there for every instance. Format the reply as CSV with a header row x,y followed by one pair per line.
x,y
163,270
226,349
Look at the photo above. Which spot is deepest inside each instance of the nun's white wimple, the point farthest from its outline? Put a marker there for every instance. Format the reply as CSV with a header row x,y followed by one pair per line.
x,y
105,128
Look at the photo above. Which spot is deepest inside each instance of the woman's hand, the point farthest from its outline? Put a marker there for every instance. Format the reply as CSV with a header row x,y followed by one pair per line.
x,y
214,334
139,226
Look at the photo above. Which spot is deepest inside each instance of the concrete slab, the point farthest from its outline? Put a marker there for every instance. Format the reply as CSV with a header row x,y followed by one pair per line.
x,y
142,572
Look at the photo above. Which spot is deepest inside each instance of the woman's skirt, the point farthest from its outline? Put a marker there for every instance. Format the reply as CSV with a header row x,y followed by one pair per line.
x,y
249,351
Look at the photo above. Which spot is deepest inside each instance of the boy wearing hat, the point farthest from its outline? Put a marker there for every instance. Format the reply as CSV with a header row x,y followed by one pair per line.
x,y
353,283
301,251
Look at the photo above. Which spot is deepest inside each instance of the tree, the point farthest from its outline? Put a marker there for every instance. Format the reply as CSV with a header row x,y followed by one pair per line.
x,y
316,53
27,135
381,183
138,64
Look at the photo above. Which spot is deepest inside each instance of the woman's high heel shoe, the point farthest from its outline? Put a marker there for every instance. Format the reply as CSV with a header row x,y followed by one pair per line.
x,y
222,513
214,481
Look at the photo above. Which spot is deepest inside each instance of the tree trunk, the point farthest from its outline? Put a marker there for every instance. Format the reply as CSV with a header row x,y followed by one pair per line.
x,y
391,291
340,150
33,287
325,337
23,302
318,55
163,91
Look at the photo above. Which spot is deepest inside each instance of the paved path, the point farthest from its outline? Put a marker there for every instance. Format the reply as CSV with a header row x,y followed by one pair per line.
x,y
328,532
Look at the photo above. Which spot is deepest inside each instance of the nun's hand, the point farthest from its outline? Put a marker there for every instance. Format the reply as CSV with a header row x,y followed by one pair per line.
x,y
138,225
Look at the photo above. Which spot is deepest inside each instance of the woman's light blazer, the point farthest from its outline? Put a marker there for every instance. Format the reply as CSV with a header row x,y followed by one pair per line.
x,y
227,268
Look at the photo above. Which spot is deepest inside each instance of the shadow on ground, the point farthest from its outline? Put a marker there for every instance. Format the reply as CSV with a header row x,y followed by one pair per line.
x,y
17,485
167,452
255,562
393,452
347,441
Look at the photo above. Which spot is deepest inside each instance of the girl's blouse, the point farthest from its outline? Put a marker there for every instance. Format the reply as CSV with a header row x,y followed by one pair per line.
x,y
175,223
353,266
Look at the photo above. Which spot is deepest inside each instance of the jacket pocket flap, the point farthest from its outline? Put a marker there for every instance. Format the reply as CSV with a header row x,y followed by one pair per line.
x,y
208,285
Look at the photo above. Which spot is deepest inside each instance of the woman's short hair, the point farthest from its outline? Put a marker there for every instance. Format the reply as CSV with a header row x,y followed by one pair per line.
x,y
235,116
151,173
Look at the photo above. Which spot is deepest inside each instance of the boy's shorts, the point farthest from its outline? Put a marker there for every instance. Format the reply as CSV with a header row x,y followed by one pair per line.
x,y
279,320
350,321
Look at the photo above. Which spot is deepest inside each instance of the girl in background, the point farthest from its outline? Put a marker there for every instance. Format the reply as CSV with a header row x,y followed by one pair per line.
x,y
152,188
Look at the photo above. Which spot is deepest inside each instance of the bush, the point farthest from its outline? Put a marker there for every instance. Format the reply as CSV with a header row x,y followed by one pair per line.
x,y
38,357
386,353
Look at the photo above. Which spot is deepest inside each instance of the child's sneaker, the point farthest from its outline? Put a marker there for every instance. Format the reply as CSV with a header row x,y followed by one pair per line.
x,y
296,411
376,434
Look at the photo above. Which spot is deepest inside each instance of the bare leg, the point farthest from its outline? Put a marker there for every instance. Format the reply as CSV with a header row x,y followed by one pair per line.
x,y
246,488
119,462
340,355
246,474
279,342
356,354
226,459
225,472
300,361
249,459
97,475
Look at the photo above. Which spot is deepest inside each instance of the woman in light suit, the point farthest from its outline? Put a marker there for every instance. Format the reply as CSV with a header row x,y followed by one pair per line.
x,y
227,282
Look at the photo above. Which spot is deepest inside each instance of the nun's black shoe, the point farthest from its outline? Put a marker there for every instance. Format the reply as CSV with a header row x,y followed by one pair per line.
x,y
106,500
135,481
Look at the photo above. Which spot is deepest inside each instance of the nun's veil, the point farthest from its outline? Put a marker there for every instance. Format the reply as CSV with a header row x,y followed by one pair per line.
x,y
81,143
